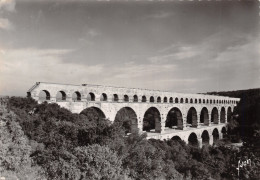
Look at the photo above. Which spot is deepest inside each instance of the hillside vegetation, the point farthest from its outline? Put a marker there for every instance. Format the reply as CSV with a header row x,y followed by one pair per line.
x,y
46,141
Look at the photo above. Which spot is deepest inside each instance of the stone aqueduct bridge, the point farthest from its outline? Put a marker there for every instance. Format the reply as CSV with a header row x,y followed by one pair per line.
x,y
196,117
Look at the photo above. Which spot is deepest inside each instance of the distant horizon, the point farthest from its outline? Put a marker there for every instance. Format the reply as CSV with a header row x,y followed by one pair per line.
x,y
186,46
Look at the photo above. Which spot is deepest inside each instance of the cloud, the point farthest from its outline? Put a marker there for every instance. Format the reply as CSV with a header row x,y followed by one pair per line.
x,y
20,68
8,5
5,24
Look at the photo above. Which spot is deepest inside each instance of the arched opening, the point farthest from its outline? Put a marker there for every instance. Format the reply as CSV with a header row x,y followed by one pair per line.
x,y
143,98
215,135
171,100
174,119
199,100
214,115
126,98
181,100
196,101
44,95
165,99
186,100
204,116
176,100
210,101
229,114
152,99
127,118
29,94
203,101
191,100
193,140
94,113
115,97
176,138
61,96
135,98
222,115
159,99
192,117
217,101
224,132
205,137
152,120
76,96
91,97
103,97
207,101
214,101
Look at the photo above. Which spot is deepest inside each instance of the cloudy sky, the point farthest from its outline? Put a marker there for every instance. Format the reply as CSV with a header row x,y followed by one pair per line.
x,y
176,46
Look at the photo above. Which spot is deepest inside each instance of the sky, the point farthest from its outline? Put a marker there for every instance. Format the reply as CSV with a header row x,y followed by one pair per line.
x,y
179,46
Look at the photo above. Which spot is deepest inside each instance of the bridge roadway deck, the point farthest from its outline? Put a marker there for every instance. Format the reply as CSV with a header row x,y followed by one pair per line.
x,y
184,134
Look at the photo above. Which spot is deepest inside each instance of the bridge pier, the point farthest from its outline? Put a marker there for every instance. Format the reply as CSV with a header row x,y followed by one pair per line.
x,y
200,144
211,140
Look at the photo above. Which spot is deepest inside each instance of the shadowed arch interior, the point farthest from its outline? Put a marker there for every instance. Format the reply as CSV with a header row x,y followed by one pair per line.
x,y
229,114
76,96
115,97
192,117
222,115
143,98
61,96
205,137
224,132
214,115
127,118
44,95
176,138
103,97
152,120
171,100
151,99
193,140
135,99
174,119
215,134
204,116
94,113
159,99
91,97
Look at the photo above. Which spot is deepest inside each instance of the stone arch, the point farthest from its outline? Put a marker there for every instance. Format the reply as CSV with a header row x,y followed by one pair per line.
x,y
203,101
135,98
159,99
115,98
176,100
193,139
192,118
171,100
181,101
44,95
94,113
229,114
152,120
126,117
204,116
222,115
205,137
152,99
126,98
176,138
215,134
224,132
217,101
214,115
103,97
196,101
165,100
91,97
186,100
174,119
210,101
191,100
207,101
143,98
200,101
214,101
76,96
61,96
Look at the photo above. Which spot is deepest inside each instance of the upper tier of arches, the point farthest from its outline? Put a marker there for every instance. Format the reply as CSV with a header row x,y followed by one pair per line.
x,y
62,95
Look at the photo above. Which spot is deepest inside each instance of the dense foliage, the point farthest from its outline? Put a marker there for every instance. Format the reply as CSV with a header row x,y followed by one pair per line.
x,y
62,145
